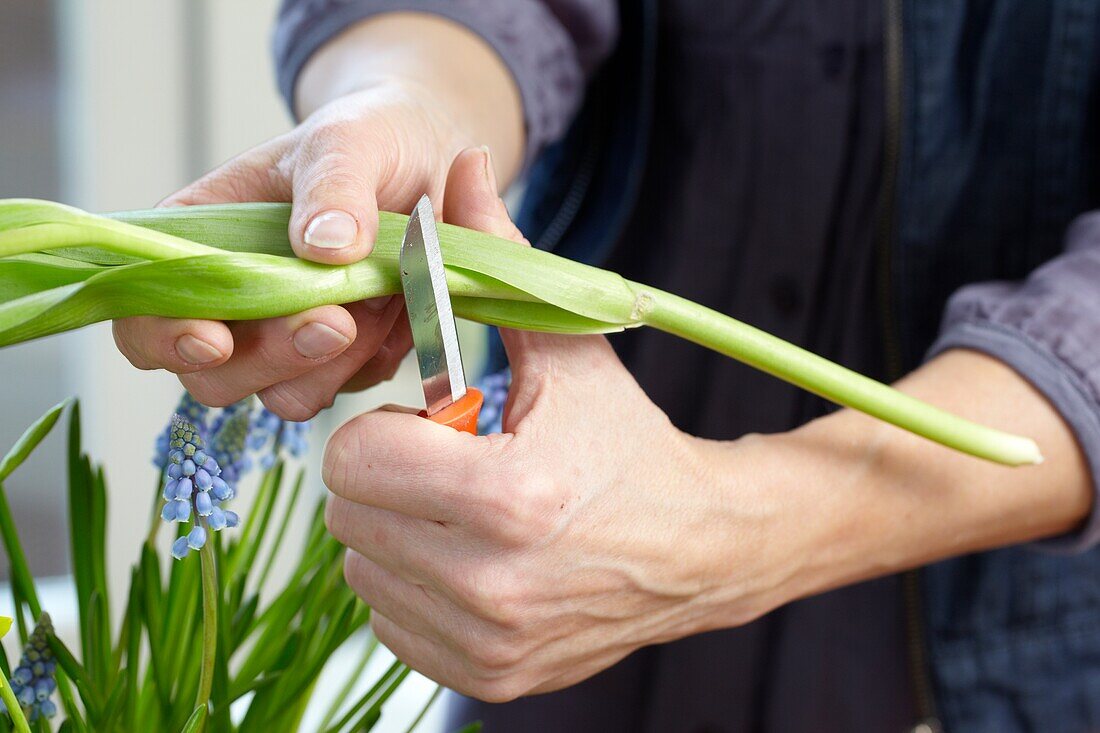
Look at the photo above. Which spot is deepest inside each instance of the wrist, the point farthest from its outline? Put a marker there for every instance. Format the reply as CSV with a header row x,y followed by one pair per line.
x,y
809,510
877,500
446,67
776,532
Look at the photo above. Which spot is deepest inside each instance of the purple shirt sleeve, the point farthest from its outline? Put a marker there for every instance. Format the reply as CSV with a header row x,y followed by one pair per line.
x,y
1047,328
549,46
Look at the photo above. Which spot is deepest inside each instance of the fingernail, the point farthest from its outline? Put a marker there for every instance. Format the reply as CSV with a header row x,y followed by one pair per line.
x,y
490,174
332,230
195,351
377,305
315,340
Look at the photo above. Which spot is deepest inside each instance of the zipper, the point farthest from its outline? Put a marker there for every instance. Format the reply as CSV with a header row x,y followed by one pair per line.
x,y
891,154
893,66
574,197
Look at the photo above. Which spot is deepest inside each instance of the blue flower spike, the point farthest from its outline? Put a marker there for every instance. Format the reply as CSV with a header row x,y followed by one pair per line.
x,y
230,437
33,680
190,410
271,435
194,486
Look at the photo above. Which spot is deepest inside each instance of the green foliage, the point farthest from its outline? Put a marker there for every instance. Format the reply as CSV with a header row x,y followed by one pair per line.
x,y
271,646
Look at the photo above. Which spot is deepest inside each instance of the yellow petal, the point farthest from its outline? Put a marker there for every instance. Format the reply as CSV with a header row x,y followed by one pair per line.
x,y
5,624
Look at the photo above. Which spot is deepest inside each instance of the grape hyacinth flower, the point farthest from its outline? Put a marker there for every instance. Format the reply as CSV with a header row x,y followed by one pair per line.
x,y
192,411
272,434
495,388
194,488
33,680
229,433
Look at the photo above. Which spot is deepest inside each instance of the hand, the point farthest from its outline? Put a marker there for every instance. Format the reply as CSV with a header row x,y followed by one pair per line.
x,y
379,147
502,565
393,100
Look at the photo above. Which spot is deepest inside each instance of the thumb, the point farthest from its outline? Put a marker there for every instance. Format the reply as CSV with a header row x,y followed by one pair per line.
x,y
471,199
538,359
334,218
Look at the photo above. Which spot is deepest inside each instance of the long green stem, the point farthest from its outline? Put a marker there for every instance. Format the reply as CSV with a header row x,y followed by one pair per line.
x,y
209,619
790,363
15,710
491,280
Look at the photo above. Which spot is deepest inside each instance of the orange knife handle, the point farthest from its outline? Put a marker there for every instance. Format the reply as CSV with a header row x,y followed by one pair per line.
x,y
462,415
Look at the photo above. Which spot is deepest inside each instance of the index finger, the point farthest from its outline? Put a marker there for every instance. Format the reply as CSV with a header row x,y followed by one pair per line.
x,y
180,345
407,464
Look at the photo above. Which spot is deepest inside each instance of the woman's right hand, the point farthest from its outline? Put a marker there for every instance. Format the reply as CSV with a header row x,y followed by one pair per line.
x,y
383,147
392,101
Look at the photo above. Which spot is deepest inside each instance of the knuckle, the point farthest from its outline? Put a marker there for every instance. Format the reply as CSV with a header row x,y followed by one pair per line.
x,y
388,361
124,339
496,690
526,506
354,570
291,403
336,522
341,457
494,595
495,654
210,392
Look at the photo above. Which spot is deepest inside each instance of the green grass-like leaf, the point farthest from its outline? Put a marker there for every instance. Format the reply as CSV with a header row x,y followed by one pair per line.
x,y
30,440
195,723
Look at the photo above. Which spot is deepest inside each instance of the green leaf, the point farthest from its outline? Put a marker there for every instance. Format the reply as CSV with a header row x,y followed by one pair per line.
x,y
252,534
243,621
28,274
195,722
530,316
222,286
15,711
5,626
132,639
73,712
397,671
98,513
89,693
98,660
280,532
81,519
22,582
30,225
30,440
259,227
355,673
152,600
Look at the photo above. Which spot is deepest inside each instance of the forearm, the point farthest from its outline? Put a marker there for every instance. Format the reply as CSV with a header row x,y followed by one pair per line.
x,y
851,498
447,66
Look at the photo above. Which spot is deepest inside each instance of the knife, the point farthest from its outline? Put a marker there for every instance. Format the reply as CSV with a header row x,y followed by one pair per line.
x,y
431,319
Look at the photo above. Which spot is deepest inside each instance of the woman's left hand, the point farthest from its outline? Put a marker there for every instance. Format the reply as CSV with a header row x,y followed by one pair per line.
x,y
505,564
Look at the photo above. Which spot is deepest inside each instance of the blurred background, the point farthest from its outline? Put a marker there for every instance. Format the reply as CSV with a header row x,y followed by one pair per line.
x,y
111,105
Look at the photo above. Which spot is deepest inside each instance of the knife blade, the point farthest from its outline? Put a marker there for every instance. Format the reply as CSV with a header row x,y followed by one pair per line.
x,y
432,322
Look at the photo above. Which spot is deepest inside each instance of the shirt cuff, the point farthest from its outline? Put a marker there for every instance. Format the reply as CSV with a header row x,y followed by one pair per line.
x,y
1063,387
536,49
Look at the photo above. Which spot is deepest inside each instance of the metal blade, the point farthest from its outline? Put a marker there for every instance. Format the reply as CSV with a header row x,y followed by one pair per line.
x,y
430,316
